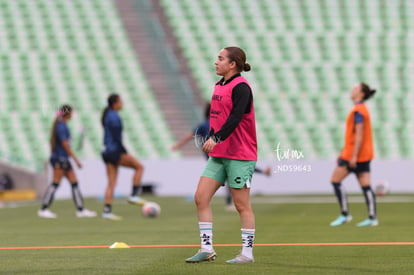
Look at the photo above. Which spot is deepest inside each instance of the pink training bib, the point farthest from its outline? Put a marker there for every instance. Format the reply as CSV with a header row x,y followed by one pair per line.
x,y
242,143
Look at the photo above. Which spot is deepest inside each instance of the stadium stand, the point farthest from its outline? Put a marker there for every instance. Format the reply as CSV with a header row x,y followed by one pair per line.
x,y
75,52
306,56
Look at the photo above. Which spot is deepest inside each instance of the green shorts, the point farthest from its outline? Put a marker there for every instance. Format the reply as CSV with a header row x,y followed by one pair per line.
x,y
238,173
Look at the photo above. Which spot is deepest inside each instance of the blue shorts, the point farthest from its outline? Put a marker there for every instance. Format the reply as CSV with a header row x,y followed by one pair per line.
x,y
61,163
113,157
361,167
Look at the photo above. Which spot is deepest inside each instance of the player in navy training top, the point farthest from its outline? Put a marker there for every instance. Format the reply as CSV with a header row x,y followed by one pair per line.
x,y
114,155
59,159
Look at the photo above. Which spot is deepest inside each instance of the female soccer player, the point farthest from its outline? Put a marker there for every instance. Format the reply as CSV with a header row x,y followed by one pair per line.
x,y
356,156
115,155
232,148
61,151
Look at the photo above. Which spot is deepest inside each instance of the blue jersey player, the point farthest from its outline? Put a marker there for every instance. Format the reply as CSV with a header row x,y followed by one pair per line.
x,y
114,154
59,159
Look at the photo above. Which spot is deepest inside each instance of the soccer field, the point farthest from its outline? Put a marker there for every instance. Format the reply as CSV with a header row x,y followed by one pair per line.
x,y
280,222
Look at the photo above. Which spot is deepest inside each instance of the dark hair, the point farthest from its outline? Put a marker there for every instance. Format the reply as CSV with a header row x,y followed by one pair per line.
x,y
239,56
207,111
112,99
63,111
368,92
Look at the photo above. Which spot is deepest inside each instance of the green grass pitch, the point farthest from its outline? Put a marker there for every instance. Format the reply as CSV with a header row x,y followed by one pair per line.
x,y
276,222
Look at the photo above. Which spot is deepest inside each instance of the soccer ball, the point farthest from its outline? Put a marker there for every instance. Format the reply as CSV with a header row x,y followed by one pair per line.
x,y
382,188
151,209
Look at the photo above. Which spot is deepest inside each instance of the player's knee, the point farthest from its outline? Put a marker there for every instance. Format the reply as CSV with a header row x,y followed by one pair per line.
x,y
200,201
336,179
111,184
138,166
364,184
197,200
110,187
242,207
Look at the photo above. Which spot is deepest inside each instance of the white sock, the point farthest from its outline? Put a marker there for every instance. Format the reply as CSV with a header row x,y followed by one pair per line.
x,y
206,236
247,242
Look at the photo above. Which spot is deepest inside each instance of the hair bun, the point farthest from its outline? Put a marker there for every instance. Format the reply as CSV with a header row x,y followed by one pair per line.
x,y
246,67
64,110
